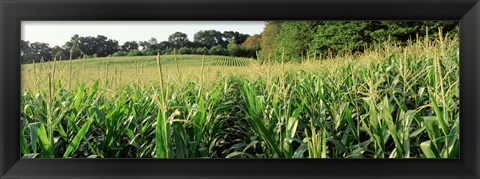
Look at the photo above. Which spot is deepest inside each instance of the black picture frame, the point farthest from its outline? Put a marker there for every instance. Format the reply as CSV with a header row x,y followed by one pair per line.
x,y
12,12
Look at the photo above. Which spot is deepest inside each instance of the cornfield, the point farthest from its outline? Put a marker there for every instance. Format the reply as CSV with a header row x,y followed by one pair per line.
x,y
228,61
389,102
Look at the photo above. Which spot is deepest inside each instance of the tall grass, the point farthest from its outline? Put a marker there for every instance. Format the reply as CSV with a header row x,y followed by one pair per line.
x,y
389,102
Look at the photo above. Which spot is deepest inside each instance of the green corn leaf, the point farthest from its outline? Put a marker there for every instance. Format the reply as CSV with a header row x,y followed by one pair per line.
x,y
23,143
41,134
439,114
33,127
72,147
428,150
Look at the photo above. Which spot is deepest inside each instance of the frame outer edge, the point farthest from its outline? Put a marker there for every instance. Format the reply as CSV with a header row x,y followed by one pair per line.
x,y
477,169
470,24
476,9
2,118
473,16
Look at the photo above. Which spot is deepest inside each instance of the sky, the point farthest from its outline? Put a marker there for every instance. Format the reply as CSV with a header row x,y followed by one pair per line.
x,y
59,32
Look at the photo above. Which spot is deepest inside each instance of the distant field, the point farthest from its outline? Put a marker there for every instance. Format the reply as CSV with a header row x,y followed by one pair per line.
x,y
117,71
138,69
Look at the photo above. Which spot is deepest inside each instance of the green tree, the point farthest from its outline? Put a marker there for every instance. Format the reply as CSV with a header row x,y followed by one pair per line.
x,y
178,40
217,50
184,50
208,38
201,50
269,37
41,50
100,45
144,45
339,37
134,52
234,49
300,39
402,31
163,47
252,44
129,45
60,53
238,37
150,44
294,39
73,47
26,55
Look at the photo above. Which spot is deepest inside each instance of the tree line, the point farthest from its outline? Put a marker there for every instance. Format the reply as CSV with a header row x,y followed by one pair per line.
x,y
297,40
209,42
279,40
